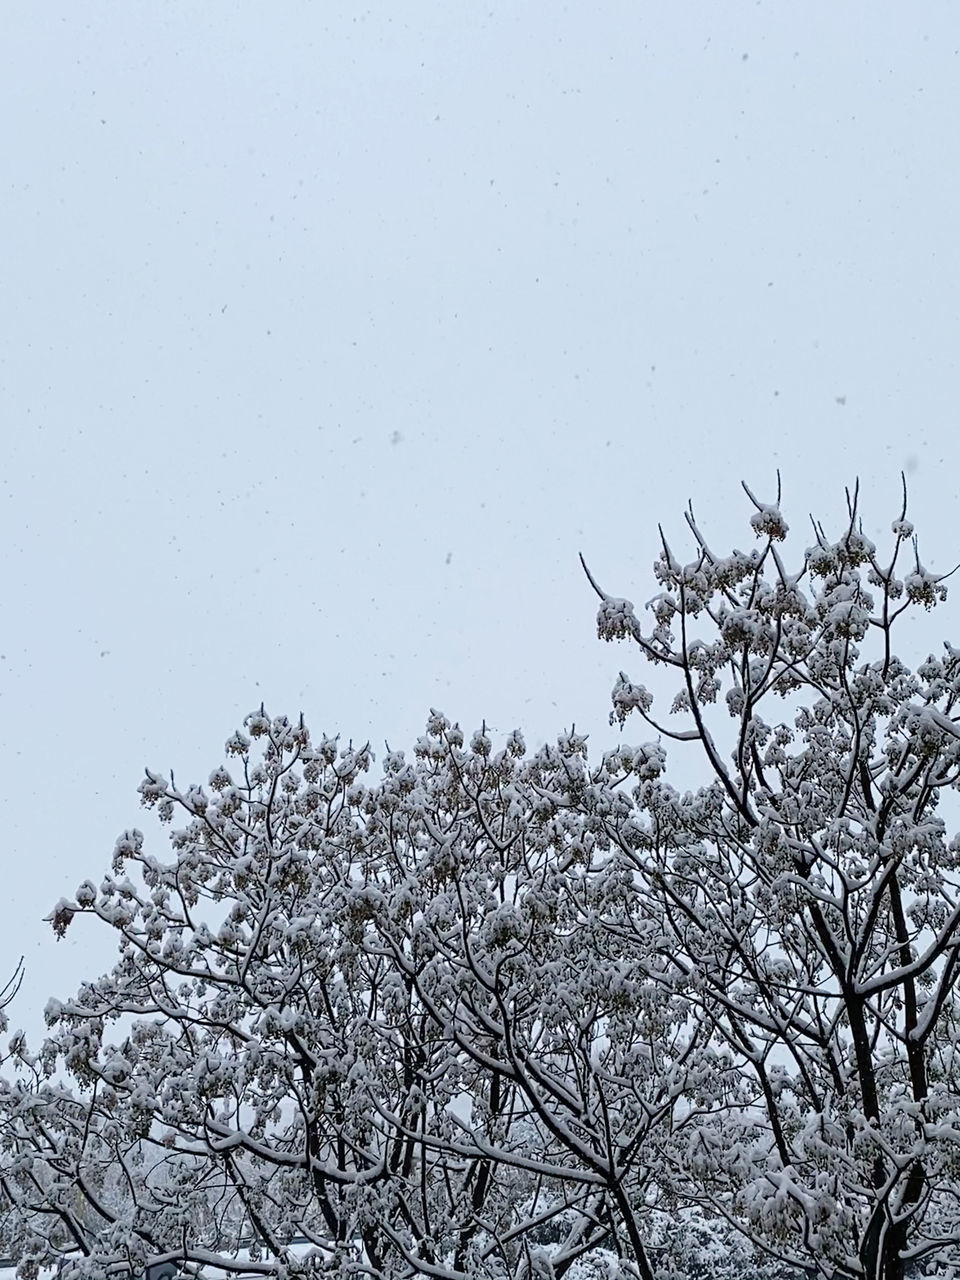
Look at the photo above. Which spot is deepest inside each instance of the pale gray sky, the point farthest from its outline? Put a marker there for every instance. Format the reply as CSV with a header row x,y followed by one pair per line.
x,y
331,334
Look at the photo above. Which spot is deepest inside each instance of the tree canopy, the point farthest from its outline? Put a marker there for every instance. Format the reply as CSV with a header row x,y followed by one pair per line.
x,y
512,1014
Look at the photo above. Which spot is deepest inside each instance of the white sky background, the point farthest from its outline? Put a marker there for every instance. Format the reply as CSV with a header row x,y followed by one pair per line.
x,y
330,335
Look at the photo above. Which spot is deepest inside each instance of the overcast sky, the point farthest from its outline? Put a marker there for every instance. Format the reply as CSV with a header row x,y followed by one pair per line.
x,y
331,334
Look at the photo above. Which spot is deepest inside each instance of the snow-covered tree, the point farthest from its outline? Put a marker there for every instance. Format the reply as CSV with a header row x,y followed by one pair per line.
x,y
390,1018
811,890
509,1014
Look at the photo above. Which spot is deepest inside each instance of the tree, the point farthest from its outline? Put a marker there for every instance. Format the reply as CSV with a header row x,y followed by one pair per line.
x,y
389,1019
811,890
510,1014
